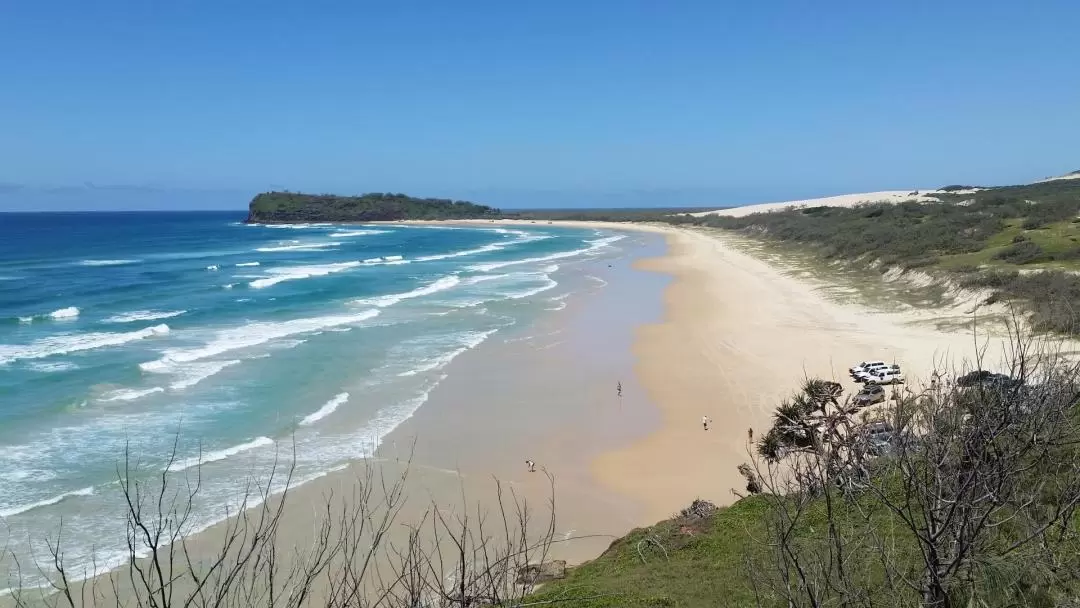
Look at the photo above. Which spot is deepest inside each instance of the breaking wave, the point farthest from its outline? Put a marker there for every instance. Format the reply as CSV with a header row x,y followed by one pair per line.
x,y
324,411
144,315
70,343
280,275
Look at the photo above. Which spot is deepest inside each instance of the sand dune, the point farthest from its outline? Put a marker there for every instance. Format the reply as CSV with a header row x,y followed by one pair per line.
x,y
843,200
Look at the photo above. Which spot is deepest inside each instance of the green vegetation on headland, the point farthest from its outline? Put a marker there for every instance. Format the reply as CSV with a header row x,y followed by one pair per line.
x,y
293,207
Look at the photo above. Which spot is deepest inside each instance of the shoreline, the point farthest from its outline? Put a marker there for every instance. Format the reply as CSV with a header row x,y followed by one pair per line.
x,y
738,335
733,336
468,435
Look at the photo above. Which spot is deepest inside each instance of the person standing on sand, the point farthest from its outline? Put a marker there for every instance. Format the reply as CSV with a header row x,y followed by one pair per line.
x,y
531,465
705,422
618,388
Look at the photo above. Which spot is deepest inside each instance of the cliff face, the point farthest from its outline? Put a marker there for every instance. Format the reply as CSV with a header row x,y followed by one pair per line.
x,y
293,207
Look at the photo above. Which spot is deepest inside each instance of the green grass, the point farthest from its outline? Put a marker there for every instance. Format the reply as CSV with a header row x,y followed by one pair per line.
x,y
715,562
704,565
1057,240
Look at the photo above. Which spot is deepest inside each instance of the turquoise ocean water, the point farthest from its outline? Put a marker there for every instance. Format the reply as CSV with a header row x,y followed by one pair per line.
x,y
128,330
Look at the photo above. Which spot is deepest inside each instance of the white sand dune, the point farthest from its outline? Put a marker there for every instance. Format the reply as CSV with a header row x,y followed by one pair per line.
x,y
1073,175
843,200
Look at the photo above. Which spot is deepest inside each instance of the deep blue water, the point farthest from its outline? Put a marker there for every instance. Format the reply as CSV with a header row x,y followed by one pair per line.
x,y
121,330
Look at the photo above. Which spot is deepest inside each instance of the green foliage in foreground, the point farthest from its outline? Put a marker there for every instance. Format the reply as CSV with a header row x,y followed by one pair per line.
x,y
701,564
718,561
289,207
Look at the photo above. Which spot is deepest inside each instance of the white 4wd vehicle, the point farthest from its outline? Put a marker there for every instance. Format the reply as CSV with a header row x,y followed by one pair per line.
x,y
888,376
862,367
872,372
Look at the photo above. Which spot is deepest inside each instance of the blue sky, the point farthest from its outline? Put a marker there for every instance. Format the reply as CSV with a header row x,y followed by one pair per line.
x,y
201,104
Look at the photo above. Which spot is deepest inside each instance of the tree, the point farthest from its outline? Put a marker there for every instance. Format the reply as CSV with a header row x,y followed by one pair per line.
x,y
970,501
361,554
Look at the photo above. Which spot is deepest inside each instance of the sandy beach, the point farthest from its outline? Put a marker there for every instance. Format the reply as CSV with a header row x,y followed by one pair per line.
x,y
690,325
738,335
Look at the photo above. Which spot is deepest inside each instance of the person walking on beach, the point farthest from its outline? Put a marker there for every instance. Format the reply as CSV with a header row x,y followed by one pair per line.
x,y
618,388
531,465
705,422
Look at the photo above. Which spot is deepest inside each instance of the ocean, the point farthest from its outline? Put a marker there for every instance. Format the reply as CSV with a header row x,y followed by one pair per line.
x,y
191,338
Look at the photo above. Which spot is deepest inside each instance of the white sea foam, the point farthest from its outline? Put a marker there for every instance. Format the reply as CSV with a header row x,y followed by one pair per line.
x,y
212,268
324,411
252,334
525,238
217,455
348,233
480,278
389,418
106,262
51,367
64,313
290,226
467,340
69,343
246,264
193,373
17,509
130,394
392,258
465,252
300,247
559,301
279,275
144,315
442,284
549,283
593,246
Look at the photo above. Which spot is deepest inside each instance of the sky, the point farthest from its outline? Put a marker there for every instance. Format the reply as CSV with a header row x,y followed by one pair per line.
x,y
197,105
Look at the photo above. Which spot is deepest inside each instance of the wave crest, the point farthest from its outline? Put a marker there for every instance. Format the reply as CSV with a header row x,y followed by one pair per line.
x,y
324,411
70,343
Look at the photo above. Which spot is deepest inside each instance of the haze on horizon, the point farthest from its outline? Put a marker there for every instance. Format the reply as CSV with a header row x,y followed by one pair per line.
x,y
200,105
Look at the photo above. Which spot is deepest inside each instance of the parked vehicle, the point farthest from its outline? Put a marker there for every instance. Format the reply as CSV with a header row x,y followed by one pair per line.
x,y
879,436
887,376
871,373
869,395
985,378
861,367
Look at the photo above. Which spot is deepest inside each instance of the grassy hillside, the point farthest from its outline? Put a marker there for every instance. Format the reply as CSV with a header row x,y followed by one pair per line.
x,y
294,207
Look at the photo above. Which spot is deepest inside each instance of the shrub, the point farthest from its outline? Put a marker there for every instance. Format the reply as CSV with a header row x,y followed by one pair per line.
x,y
1024,252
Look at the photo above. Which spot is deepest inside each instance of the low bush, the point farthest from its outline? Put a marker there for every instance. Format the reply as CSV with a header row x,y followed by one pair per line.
x,y
1023,252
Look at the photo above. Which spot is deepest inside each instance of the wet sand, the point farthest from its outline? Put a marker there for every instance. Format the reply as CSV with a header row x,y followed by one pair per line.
x,y
738,335
691,326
